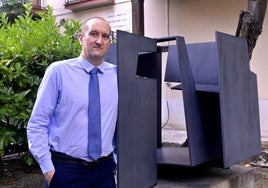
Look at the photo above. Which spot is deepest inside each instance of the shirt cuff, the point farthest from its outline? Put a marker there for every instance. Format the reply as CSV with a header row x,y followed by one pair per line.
x,y
46,166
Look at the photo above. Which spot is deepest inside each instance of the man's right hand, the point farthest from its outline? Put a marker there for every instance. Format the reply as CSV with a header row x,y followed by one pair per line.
x,y
49,175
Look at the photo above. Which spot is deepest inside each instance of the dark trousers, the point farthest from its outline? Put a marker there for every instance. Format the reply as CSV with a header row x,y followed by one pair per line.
x,y
69,175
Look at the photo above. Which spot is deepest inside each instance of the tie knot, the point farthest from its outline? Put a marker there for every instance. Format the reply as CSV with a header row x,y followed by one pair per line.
x,y
94,71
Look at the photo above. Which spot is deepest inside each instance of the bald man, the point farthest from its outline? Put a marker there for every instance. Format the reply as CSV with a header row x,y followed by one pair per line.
x,y
58,129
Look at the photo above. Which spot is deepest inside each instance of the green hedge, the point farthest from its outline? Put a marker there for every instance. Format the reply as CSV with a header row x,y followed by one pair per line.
x,y
27,47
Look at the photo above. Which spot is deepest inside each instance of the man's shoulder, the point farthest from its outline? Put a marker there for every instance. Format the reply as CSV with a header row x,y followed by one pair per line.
x,y
65,62
108,65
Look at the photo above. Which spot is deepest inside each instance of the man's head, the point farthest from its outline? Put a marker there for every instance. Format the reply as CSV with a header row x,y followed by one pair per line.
x,y
95,39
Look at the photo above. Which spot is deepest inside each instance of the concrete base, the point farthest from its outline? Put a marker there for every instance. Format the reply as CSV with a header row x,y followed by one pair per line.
x,y
205,177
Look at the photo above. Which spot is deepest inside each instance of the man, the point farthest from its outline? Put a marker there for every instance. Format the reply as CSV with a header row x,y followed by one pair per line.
x,y
60,125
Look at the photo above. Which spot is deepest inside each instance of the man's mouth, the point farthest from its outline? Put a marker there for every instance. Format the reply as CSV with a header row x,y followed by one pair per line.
x,y
97,47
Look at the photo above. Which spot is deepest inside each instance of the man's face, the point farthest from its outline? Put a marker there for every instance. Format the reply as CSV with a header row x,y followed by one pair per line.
x,y
95,40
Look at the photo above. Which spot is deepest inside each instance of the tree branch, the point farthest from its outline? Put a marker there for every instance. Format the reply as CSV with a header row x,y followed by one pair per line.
x,y
250,23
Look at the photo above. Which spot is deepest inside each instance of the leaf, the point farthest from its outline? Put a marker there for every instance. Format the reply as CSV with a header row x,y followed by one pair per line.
x,y
28,159
7,138
17,66
4,69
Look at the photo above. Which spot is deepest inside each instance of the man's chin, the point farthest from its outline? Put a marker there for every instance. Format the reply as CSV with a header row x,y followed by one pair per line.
x,y
98,53
97,57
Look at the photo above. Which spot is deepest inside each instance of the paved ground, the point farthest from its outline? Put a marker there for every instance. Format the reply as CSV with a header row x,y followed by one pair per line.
x,y
173,134
13,175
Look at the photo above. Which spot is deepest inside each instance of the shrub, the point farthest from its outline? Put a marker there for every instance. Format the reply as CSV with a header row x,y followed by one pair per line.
x,y
27,47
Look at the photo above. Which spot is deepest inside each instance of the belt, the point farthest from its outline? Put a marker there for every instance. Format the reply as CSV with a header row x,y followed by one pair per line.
x,y
62,157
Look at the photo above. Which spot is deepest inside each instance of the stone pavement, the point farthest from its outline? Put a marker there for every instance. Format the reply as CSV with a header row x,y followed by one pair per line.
x,y
173,135
205,177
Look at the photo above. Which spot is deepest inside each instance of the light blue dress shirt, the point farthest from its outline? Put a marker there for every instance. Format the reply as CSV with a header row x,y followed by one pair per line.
x,y
59,119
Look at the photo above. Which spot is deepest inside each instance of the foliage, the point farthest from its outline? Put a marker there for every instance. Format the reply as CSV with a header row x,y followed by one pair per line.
x,y
27,47
13,8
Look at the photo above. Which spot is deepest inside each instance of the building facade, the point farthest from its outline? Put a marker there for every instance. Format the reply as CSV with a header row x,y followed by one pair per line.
x,y
196,21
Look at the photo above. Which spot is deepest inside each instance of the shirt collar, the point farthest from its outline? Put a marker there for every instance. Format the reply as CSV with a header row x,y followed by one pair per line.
x,y
88,66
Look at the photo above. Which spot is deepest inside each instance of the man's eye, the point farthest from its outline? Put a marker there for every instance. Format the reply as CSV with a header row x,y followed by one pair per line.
x,y
94,34
106,37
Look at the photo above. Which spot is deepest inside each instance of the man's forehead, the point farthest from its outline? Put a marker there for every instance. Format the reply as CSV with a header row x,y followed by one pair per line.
x,y
98,25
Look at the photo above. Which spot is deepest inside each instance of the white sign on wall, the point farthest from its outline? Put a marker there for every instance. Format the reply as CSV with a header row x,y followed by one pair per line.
x,y
119,20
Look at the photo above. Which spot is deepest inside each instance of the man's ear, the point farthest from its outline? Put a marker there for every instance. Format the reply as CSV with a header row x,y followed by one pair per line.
x,y
80,38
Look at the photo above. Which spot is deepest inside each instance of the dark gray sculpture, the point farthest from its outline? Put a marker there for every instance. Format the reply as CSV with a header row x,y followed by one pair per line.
x,y
220,101
138,64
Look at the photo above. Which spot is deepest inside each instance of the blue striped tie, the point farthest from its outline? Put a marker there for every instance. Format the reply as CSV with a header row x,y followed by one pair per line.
x,y
94,115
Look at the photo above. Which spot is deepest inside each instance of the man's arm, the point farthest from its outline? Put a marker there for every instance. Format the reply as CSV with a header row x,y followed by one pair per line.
x,y
38,125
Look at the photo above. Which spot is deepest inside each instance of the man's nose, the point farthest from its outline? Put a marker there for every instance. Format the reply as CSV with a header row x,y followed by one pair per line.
x,y
99,39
